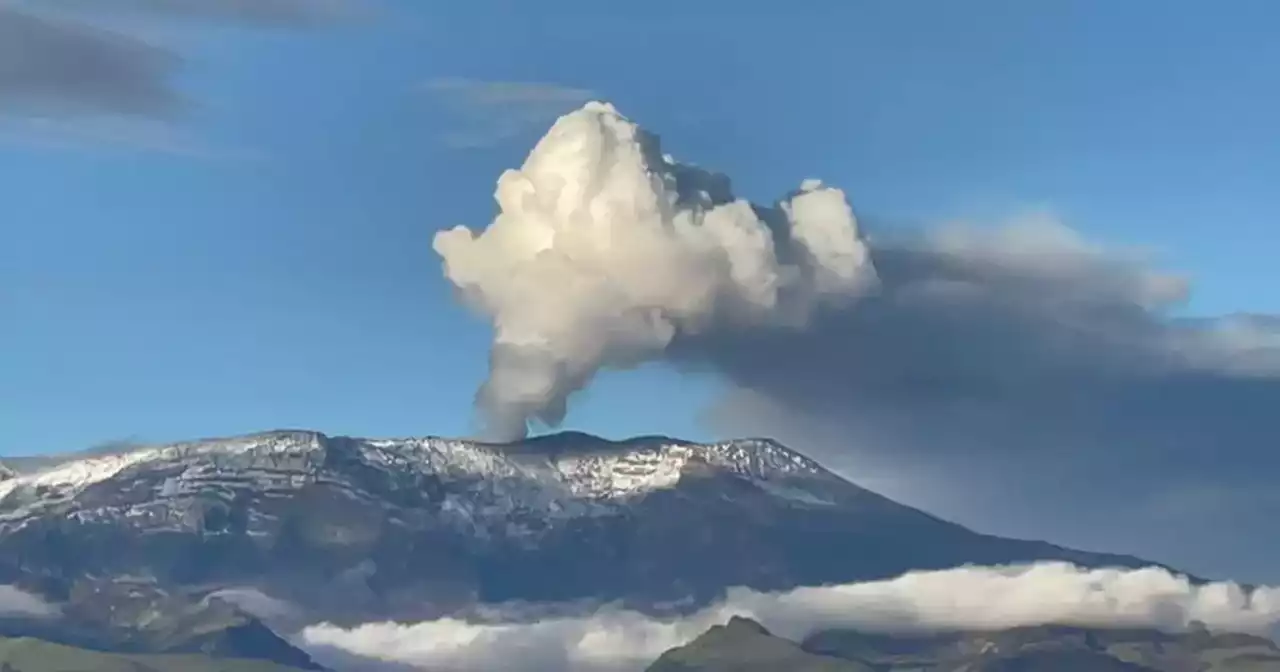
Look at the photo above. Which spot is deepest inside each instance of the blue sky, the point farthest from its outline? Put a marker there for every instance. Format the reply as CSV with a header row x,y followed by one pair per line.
x,y
265,260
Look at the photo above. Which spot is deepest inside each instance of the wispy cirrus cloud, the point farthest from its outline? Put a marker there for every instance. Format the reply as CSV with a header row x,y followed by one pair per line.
x,y
116,134
490,112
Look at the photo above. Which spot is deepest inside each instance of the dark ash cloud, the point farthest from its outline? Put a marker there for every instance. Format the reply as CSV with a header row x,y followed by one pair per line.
x,y
67,84
269,12
1030,384
64,66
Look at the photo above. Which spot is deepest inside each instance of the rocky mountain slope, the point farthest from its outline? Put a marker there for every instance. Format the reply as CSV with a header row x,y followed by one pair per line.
x,y
34,655
742,645
121,615
358,529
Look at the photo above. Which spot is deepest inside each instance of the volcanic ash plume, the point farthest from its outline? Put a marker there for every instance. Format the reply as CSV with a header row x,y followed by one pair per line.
x,y
605,250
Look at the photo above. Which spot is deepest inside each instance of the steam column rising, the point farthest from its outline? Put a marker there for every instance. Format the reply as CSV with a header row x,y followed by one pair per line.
x,y
604,250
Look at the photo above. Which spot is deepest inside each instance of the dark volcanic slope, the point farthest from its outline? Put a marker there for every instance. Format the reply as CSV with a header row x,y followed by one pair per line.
x,y
34,655
121,615
355,529
745,646
742,645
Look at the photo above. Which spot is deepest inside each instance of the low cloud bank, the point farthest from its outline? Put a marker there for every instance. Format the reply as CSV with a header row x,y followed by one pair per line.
x,y
16,602
975,598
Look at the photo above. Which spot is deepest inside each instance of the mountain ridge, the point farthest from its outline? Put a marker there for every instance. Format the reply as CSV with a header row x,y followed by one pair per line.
x,y
555,442
588,456
744,645
416,528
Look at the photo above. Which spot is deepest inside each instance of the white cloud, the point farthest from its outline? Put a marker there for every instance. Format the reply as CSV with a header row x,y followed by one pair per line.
x,y
977,598
604,250
17,602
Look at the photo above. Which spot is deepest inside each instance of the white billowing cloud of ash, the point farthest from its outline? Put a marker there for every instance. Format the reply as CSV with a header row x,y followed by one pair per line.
x,y
605,250
958,368
973,598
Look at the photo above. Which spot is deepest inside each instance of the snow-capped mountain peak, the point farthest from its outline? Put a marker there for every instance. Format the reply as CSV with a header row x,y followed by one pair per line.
x,y
413,528
559,475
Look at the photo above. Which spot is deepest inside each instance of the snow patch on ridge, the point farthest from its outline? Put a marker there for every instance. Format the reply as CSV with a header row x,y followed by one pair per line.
x,y
567,476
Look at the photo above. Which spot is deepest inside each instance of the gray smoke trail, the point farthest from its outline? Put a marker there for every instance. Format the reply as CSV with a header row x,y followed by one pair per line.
x,y
605,250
